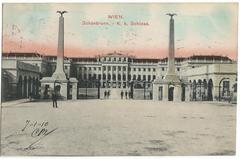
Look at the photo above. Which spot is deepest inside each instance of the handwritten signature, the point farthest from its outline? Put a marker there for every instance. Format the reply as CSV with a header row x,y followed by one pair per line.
x,y
37,129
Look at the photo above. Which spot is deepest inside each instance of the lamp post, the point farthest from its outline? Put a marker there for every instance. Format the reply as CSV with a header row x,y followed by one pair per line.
x,y
219,95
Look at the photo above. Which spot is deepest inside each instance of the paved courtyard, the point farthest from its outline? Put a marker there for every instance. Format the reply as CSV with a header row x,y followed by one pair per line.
x,y
118,128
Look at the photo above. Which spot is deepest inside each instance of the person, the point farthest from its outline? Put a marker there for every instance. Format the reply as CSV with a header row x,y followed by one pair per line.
x,y
30,96
150,95
108,94
54,99
105,94
129,95
122,94
126,93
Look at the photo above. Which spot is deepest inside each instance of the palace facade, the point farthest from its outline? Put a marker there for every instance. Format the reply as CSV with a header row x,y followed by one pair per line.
x,y
209,77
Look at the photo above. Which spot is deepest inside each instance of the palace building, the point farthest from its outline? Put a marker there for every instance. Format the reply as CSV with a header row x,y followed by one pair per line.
x,y
118,72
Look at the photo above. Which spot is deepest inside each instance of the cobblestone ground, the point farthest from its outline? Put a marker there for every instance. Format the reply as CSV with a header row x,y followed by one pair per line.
x,y
118,128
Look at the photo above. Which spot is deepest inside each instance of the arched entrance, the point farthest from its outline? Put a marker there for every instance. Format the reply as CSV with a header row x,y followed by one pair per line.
x,y
170,93
29,87
204,93
25,87
194,86
210,86
19,87
183,92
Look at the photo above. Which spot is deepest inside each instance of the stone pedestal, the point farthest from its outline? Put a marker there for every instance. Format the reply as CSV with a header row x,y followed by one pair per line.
x,y
50,83
74,83
165,92
155,91
187,93
177,93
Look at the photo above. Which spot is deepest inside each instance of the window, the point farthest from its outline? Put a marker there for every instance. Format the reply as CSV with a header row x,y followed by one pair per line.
x,y
154,77
193,66
149,69
134,77
139,69
225,90
149,77
129,77
139,77
124,68
114,68
178,69
144,69
95,68
109,68
65,67
154,69
134,69
104,68
99,68
94,76
114,59
162,68
119,68
144,77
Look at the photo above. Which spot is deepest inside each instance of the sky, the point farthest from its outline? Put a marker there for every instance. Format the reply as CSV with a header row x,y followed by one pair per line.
x,y
200,29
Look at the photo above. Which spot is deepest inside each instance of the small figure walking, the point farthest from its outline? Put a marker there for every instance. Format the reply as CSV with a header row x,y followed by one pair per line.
x,y
54,99
126,94
122,94
108,94
105,94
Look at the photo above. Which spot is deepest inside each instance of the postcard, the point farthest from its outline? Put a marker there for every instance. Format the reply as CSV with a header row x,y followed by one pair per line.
x,y
119,79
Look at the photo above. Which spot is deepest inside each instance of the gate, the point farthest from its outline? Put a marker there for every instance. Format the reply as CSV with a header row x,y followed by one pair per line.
x,y
141,90
88,89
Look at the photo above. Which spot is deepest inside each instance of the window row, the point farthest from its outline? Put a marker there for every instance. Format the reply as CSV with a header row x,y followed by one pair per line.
x,y
117,77
120,59
120,68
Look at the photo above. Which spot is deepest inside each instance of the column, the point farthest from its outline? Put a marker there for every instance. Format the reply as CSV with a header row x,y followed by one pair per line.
x,y
111,76
59,72
101,76
126,77
177,93
106,76
165,92
87,73
121,76
117,76
155,92
171,65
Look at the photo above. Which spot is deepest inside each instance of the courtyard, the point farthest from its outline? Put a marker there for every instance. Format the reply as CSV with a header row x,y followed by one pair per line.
x,y
118,128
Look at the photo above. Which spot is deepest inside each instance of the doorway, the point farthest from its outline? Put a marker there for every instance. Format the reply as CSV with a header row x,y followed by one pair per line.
x,y
170,93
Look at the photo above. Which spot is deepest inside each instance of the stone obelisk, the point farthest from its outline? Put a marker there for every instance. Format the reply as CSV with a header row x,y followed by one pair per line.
x,y
171,73
59,73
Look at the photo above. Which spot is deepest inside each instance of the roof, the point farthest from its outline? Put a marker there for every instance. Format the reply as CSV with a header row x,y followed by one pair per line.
x,y
209,57
83,59
21,54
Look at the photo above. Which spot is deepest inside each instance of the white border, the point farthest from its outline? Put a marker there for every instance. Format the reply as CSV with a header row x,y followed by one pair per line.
x,y
141,1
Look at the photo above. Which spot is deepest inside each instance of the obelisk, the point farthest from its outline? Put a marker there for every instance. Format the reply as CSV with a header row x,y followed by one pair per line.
x,y
171,73
59,73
